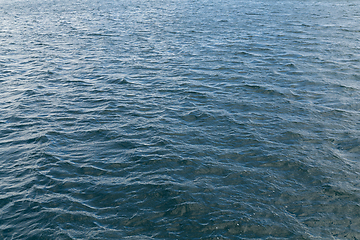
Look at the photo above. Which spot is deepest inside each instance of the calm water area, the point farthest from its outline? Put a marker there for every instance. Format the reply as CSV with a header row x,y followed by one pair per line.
x,y
179,119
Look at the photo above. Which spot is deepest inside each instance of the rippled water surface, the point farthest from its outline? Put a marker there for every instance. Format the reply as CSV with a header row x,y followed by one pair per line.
x,y
179,119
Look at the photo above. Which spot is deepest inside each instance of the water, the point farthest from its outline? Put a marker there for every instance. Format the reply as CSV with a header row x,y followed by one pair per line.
x,y
169,119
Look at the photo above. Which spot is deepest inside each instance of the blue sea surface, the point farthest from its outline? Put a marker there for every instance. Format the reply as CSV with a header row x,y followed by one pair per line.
x,y
179,119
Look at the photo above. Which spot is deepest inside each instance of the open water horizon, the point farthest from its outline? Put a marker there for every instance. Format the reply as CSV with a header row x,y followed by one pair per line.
x,y
169,119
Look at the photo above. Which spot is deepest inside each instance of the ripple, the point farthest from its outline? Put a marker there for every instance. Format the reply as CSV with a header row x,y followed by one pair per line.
x,y
191,120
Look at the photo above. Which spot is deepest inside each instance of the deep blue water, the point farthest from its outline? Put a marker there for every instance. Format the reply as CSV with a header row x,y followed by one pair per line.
x,y
179,119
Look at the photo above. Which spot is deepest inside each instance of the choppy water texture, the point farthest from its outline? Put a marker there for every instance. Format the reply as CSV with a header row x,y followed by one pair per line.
x,y
179,119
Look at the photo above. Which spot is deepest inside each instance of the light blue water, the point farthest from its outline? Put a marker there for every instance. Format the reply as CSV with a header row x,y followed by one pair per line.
x,y
169,119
